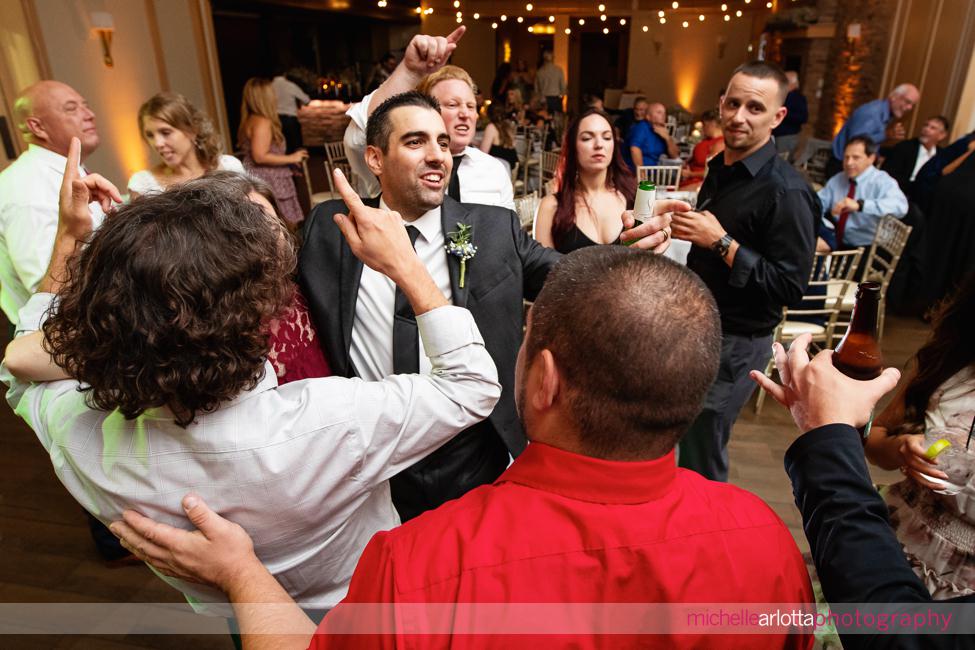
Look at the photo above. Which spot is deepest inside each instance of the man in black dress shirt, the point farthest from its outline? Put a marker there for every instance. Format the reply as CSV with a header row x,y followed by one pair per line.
x,y
753,236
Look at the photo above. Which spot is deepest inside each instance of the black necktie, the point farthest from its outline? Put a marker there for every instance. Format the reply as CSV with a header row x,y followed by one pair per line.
x,y
453,188
406,338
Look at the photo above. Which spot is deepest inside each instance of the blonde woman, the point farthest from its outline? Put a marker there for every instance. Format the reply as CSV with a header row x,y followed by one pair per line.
x,y
499,137
184,139
261,139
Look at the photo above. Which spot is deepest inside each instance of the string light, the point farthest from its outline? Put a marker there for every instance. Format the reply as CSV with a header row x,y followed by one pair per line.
x,y
529,7
605,30
700,17
460,14
768,4
551,19
675,4
456,4
622,21
459,19
727,17
646,29
520,20
663,21
660,14
494,25
567,31
419,10
738,13
381,3
530,29
602,8
503,18
477,16
684,24
724,7
602,17
582,21
428,11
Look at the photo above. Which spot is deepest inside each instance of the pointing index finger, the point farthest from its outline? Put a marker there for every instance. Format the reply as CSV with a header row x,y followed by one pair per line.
x,y
455,35
346,192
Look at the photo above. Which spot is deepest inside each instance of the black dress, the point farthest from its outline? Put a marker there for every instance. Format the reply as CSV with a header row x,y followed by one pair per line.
x,y
504,153
950,232
576,239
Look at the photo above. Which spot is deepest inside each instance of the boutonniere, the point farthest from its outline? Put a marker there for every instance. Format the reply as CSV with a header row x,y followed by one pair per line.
x,y
459,245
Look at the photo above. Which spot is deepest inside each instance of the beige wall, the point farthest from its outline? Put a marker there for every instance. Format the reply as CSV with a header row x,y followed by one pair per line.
x,y
687,70
936,40
476,51
140,70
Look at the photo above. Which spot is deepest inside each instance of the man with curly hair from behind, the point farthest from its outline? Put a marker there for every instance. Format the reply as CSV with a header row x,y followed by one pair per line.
x,y
149,378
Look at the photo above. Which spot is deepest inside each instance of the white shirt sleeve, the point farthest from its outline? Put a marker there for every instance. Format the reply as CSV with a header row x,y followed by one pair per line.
x,y
403,418
30,228
231,164
143,182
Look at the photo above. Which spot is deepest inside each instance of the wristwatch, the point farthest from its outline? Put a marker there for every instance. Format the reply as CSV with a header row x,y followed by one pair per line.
x,y
859,205
722,246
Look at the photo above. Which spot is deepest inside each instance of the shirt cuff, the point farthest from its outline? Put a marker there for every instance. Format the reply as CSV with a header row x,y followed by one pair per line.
x,y
741,269
445,329
31,316
829,434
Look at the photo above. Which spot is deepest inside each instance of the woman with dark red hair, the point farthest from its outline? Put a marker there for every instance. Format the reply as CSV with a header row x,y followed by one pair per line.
x,y
594,188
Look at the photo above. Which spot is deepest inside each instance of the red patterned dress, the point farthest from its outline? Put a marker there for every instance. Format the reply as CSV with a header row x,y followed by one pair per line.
x,y
295,352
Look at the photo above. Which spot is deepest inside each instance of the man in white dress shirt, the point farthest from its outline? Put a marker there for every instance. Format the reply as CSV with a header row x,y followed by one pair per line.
x,y
170,390
476,176
48,114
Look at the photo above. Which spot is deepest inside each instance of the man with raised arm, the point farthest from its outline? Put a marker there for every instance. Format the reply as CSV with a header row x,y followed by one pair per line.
x,y
476,177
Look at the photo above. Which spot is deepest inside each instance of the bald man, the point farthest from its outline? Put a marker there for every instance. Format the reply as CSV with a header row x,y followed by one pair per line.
x,y
873,119
647,141
48,114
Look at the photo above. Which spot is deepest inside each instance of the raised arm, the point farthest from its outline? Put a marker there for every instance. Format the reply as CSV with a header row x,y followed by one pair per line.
x,y
424,55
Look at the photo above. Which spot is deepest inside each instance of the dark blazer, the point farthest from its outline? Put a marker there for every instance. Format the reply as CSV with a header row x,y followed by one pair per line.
x,y
857,555
509,267
899,162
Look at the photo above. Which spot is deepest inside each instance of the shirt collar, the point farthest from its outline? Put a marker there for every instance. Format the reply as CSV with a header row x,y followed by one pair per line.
x,y
753,163
865,176
590,479
428,224
47,157
268,382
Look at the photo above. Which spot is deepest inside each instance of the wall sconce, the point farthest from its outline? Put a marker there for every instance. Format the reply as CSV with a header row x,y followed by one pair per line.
x,y
657,44
722,44
103,25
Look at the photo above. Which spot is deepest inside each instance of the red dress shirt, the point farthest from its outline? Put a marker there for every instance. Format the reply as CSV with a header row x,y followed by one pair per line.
x,y
558,527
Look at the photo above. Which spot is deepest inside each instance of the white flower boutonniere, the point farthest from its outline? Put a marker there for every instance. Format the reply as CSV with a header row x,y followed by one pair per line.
x,y
459,245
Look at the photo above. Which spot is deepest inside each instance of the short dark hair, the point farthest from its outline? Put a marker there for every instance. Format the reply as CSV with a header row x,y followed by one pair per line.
x,y
379,126
710,116
944,121
169,303
765,70
636,338
869,146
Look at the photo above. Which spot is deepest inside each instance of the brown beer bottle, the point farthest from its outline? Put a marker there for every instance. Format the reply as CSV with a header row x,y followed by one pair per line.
x,y
858,354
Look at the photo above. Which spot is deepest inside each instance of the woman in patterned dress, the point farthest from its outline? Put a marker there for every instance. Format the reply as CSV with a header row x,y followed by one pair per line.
x,y
262,142
936,529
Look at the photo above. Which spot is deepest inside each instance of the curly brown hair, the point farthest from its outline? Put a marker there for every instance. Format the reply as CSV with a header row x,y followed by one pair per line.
x,y
170,301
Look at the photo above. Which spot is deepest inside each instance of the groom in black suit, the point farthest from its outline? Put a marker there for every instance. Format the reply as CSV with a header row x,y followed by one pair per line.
x,y
366,329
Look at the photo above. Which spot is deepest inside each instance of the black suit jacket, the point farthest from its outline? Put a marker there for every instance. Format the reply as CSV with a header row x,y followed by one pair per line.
x,y
899,162
857,555
509,267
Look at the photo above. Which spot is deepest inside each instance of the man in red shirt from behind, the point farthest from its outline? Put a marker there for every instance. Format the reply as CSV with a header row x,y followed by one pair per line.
x,y
590,528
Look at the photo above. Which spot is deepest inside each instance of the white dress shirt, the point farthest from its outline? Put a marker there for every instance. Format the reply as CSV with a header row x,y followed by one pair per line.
x,y
483,178
303,467
288,95
923,156
372,328
29,192
144,181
